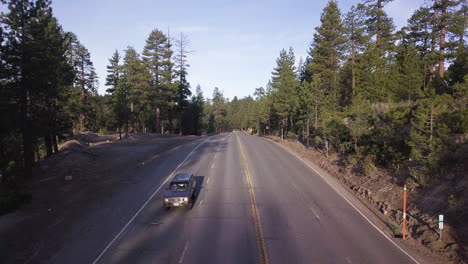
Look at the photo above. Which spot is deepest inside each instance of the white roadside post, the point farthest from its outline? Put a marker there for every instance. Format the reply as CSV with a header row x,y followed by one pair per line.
x,y
441,224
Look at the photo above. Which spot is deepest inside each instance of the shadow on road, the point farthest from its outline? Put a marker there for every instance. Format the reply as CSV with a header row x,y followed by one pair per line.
x,y
199,180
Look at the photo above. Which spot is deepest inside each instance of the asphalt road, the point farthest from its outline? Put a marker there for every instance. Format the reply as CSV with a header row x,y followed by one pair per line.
x,y
254,198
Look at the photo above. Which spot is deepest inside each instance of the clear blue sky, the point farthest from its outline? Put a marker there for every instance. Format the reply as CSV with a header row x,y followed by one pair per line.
x,y
235,43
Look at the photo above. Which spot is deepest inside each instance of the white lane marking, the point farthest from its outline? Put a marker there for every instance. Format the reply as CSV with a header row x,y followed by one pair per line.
x,y
183,253
201,202
208,181
348,260
212,165
145,204
349,202
315,213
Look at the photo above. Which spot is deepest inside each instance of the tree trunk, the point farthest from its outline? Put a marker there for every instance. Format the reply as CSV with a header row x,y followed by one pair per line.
x,y
48,144
28,152
83,98
431,124
157,118
443,31
353,62
282,130
26,131
379,29
316,117
434,36
126,129
55,143
38,153
426,75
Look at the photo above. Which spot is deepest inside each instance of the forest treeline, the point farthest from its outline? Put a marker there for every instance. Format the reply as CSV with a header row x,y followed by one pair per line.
x,y
49,90
387,97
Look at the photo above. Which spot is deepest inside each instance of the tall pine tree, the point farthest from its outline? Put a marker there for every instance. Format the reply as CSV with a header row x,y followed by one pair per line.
x,y
326,53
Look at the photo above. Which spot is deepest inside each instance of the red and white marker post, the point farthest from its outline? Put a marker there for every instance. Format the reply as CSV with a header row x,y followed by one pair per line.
x,y
441,224
405,190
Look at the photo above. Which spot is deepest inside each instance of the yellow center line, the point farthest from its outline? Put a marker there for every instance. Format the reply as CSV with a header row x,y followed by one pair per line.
x,y
262,252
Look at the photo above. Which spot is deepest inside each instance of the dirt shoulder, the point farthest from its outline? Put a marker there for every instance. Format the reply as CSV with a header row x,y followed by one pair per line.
x,y
382,192
69,183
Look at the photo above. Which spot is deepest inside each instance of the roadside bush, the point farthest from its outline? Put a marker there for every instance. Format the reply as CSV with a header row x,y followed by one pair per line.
x,y
368,165
419,174
387,140
291,136
338,135
10,200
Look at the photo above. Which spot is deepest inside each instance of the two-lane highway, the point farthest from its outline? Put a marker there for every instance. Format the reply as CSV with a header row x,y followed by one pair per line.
x,y
217,230
256,203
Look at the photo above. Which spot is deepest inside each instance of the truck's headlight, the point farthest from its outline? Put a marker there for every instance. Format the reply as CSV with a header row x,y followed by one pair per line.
x,y
166,200
185,199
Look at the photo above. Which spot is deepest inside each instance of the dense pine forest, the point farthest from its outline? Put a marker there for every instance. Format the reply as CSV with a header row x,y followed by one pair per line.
x,y
386,96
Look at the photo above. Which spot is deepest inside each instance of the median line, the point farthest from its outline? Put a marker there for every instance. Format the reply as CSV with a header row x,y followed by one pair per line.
x,y
262,252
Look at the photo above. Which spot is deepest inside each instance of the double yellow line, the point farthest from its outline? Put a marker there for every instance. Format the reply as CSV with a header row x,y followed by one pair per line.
x,y
262,252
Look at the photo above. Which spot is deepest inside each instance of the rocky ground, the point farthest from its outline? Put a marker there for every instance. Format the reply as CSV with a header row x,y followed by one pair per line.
x,y
382,191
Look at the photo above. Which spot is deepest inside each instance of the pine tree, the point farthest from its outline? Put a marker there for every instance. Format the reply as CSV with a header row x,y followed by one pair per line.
x,y
169,87
261,110
354,24
113,72
35,72
428,134
327,52
219,110
419,31
444,14
157,55
183,87
360,112
120,105
140,93
56,77
195,112
411,72
379,25
373,77
17,54
85,76
284,85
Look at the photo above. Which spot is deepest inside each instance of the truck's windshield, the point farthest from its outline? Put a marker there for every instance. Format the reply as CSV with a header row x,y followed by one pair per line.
x,y
178,186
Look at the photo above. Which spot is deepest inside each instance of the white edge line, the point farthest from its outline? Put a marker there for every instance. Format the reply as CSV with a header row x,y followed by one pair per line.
x,y
183,253
312,209
346,199
144,205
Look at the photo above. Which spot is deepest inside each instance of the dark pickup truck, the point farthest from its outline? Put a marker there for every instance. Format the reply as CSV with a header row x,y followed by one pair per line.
x,y
180,191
